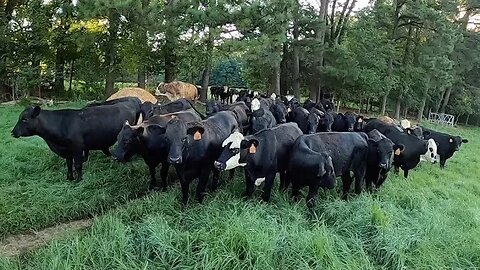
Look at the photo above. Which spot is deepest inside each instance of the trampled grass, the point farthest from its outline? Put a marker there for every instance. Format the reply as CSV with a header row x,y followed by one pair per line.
x,y
431,220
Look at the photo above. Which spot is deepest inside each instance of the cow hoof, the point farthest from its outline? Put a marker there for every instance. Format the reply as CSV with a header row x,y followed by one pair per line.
x,y
155,188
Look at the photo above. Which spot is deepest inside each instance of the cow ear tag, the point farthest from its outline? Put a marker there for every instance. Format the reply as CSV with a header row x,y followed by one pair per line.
x,y
397,152
197,136
360,120
252,149
451,140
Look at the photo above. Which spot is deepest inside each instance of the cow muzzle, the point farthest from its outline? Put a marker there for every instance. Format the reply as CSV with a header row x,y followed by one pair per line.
x,y
175,160
220,165
383,166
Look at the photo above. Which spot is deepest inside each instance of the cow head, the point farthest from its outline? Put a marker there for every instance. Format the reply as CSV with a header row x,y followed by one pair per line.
x,y
28,122
255,105
230,156
455,142
359,123
414,131
211,107
279,111
328,105
176,139
312,123
350,121
259,120
127,142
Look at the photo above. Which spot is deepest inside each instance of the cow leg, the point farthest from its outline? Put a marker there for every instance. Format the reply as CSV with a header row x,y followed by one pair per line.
x,y
282,180
164,175
78,163
312,193
231,175
295,191
85,156
106,152
70,168
249,185
405,173
216,175
359,175
153,179
368,183
184,184
202,184
396,169
442,162
267,188
347,182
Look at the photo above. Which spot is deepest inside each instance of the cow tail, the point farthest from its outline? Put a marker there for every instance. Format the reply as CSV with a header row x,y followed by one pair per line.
x,y
195,109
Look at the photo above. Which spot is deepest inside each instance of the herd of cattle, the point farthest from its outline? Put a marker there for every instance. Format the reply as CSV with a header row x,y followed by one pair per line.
x,y
307,144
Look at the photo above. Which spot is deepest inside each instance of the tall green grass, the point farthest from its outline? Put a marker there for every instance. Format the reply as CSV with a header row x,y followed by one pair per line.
x,y
429,221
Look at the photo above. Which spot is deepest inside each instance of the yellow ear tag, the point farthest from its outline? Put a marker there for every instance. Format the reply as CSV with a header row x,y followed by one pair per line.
x,y
451,140
197,136
360,120
397,152
252,149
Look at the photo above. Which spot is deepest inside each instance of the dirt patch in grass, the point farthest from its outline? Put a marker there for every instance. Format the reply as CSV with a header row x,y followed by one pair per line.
x,y
15,245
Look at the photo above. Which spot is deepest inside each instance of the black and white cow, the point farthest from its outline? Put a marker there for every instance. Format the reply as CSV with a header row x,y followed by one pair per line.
x,y
262,154
447,144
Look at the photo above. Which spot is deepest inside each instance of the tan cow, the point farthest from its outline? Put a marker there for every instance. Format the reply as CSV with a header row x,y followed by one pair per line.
x,y
177,89
388,120
140,93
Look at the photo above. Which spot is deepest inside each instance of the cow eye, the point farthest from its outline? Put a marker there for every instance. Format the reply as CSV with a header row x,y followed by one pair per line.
x,y
235,150
431,149
184,139
24,120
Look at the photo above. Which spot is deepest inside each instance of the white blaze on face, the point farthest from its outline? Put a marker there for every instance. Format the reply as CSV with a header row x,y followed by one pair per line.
x,y
255,93
431,154
235,138
273,96
259,181
405,123
234,97
255,104
289,97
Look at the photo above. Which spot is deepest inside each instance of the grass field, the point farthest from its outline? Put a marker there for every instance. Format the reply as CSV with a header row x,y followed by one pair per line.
x,y
430,221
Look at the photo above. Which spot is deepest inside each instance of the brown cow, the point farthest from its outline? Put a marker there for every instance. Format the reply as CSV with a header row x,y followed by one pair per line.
x,y
140,93
177,89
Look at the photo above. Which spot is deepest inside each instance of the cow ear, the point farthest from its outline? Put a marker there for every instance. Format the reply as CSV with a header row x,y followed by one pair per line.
x,y
157,129
398,149
251,144
36,111
196,131
464,141
139,130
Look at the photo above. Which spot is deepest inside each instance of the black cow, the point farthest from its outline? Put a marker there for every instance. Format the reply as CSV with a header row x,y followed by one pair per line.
x,y
175,106
262,119
69,133
359,124
312,158
327,105
300,115
319,121
344,122
263,155
148,141
447,144
379,159
407,156
279,111
193,148
416,131
309,104
136,102
240,109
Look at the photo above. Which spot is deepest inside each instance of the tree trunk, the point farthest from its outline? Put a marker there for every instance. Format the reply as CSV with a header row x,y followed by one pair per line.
x,y
207,69
170,43
296,61
466,121
446,99
422,106
70,81
141,78
320,36
275,83
368,104
384,103
439,103
398,106
405,110
111,51
58,84
284,81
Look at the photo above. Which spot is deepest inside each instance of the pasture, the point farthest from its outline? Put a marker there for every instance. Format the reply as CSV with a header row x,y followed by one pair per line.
x,y
429,221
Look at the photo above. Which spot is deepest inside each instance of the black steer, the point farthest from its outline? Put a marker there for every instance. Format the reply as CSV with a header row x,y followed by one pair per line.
x,y
69,133
262,119
310,164
193,148
447,144
379,159
240,109
300,115
148,141
344,122
263,155
175,106
279,111
407,156
319,121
